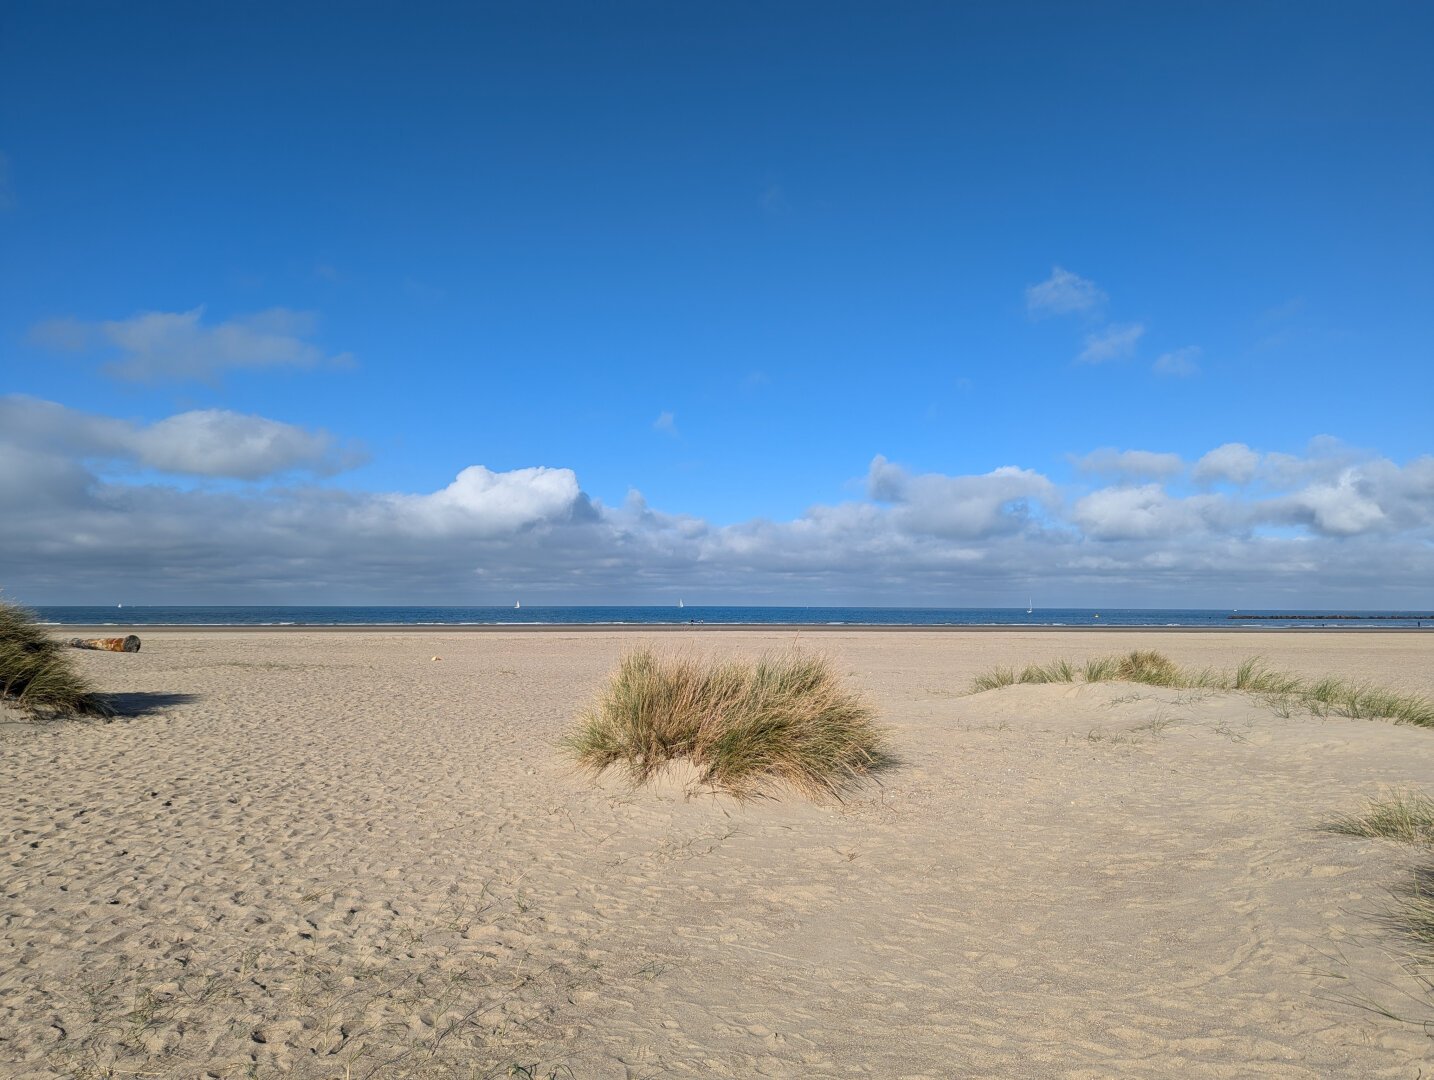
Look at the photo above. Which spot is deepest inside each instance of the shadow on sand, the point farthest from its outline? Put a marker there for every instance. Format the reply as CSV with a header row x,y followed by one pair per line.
x,y
130,706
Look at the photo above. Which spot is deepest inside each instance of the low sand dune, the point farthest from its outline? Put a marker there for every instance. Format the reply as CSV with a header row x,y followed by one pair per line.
x,y
328,855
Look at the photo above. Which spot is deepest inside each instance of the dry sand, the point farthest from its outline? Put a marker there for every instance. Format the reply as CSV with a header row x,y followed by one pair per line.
x,y
327,855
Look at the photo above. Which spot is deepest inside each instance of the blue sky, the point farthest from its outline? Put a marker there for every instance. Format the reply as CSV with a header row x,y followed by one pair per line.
x,y
920,303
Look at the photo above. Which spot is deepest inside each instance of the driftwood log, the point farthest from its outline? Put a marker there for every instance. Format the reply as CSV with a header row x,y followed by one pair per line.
x,y
107,644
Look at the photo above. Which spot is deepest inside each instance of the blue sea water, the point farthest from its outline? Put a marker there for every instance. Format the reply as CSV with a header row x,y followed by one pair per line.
x,y
709,616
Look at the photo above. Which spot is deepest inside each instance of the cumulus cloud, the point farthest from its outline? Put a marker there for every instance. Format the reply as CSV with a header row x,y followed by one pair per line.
x,y
1153,512
216,442
1063,293
1130,464
959,507
205,442
481,503
1233,462
1347,507
1126,513
157,345
1180,363
1332,524
1114,342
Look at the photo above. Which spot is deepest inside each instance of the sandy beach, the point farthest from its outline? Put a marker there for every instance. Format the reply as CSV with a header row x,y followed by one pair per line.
x,y
330,855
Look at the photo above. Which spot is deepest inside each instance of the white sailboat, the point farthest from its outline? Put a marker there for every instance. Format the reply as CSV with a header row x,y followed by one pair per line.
x,y
517,604
1030,606
679,602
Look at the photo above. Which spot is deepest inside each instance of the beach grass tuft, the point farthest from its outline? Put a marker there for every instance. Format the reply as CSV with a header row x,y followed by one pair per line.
x,y
1146,666
1330,696
744,725
1416,910
1254,677
36,672
1405,816
1359,700
1100,669
1058,671
994,679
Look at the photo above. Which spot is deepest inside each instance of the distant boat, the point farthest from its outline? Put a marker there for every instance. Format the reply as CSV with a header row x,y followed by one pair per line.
x,y
1030,605
517,604
119,605
679,603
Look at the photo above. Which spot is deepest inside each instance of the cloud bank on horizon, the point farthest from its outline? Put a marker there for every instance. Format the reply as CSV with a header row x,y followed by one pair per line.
x,y
1262,527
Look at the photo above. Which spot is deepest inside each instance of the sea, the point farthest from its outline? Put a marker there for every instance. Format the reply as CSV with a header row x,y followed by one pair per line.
x,y
127,616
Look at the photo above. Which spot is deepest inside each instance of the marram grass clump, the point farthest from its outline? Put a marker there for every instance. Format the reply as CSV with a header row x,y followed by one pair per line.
x,y
745,725
1328,697
1405,816
37,674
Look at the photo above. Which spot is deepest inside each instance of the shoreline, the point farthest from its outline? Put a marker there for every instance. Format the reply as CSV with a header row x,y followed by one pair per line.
x,y
101,629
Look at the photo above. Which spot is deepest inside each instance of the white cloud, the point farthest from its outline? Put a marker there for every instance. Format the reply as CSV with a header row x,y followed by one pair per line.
x,y
206,442
215,442
1348,507
1114,342
1180,363
482,503
1127,513
965,507
158,345
1130,464
1063,293
665,423
1232,462
1330,526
